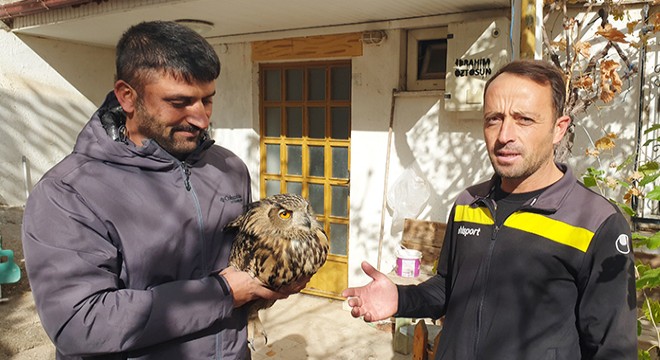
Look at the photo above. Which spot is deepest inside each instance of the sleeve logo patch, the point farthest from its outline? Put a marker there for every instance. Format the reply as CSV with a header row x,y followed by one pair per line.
x,y
623,244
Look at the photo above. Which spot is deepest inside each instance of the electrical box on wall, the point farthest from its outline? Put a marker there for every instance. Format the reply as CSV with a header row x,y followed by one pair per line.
x,y
475,51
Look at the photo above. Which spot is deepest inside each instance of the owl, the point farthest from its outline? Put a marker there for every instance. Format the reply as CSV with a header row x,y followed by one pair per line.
x,y
279,241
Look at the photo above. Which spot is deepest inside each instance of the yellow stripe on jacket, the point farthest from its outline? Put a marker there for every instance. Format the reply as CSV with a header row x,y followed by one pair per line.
x,y
554,230
477,215
551,229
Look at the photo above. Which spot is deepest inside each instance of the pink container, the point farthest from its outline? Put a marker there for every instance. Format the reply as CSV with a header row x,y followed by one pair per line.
x,y
408,262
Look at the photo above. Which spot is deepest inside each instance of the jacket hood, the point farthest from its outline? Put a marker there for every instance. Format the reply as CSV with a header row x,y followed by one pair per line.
x,y
95,142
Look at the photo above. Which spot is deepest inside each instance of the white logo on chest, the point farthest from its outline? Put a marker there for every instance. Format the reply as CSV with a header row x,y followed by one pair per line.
x,y
468,231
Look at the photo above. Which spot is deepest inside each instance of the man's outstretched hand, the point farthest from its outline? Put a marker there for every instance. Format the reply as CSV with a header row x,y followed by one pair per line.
x,y
375,301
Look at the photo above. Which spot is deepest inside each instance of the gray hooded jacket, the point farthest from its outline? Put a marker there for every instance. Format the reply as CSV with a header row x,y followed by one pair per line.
x,y
121,243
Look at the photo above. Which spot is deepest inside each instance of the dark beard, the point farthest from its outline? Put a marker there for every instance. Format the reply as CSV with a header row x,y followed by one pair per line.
x,y
150,128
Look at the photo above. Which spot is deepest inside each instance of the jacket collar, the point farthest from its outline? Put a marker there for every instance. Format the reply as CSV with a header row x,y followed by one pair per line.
x,y
548,201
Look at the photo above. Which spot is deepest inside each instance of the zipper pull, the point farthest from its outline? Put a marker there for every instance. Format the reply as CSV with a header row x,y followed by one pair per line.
x,y
495,230
186,171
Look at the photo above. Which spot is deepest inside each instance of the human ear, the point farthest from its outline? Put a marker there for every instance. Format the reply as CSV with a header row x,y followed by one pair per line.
x,y
126,96
561,126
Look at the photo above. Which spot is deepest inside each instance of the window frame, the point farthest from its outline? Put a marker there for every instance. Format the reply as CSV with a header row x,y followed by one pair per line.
x,y
414,37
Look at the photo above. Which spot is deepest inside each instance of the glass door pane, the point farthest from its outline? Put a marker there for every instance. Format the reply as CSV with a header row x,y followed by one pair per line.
x,y
316,122
340,201
340,162
294,84
316,84
338,239
273,159
340,118
340,78
316,161
273,121
316,198
294,122
294,159
273,88
294,187
272,187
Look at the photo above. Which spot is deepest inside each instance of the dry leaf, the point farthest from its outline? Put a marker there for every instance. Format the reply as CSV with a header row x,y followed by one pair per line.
x,y
611,182
610,82
605,143
636,176
561,44
592,152
584,82
569,22
606,95
631,26
611,33
617,12
583,48
632,192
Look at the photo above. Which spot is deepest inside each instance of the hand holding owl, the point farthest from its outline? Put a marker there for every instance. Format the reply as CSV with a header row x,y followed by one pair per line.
x,y
245,288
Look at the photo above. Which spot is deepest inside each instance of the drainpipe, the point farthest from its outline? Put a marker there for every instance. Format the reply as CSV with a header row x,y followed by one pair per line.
x,y
531,15
538,30
514,30
635,202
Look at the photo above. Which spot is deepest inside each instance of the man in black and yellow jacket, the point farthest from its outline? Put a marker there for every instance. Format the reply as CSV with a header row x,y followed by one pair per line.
x,y
534,265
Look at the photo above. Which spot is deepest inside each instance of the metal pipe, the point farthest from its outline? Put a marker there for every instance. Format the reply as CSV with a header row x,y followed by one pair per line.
x,y
527,29
634,202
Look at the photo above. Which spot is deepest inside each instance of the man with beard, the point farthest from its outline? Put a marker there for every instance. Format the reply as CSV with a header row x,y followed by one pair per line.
x,y
123,239
534,265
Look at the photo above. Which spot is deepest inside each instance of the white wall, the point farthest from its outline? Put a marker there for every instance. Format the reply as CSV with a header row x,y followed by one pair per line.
x,y
236,107
41,110
375,75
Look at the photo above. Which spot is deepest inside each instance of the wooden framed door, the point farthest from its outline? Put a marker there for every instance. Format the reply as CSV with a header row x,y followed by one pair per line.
x,y
305,127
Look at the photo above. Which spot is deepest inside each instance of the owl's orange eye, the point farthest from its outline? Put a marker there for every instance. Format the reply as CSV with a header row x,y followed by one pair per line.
x,y
284,214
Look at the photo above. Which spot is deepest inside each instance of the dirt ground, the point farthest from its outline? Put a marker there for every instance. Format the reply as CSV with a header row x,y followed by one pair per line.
x,y
21,334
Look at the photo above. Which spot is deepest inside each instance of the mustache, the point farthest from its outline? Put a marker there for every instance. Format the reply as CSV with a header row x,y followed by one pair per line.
x,y
187,128
507,148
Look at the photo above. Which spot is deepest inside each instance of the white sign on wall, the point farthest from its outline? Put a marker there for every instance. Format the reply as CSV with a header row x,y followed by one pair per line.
x,y
475,51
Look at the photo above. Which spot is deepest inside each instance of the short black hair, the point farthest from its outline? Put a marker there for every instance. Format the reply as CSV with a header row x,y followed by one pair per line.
x,y
541,72
165,46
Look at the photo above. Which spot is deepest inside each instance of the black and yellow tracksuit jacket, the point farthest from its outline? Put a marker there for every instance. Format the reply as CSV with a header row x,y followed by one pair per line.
x,y
555,280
